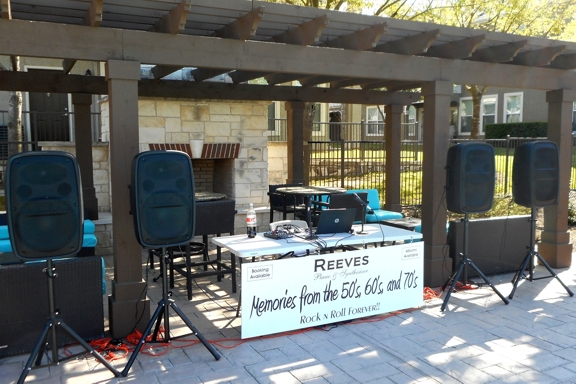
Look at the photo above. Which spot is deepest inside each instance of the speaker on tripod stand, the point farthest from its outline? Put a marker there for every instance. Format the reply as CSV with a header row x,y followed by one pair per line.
x,y
470,173
535,176
163,207
45,221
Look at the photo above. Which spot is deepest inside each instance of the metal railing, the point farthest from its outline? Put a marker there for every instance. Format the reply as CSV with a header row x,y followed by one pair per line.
x,y
361,164
335,132
44,126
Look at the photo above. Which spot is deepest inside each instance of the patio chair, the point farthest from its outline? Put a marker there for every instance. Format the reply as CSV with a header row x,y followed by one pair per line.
x,y
285,204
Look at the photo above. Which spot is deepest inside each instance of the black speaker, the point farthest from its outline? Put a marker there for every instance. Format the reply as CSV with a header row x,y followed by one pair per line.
x,y
535,174
44,204
470,178
162,198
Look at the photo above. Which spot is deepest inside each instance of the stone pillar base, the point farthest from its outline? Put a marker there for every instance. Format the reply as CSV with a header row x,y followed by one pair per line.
x,y
437,266
123,314
556,255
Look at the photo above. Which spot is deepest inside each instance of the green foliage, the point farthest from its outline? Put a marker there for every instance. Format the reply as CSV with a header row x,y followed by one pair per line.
x,y
532,129
571,213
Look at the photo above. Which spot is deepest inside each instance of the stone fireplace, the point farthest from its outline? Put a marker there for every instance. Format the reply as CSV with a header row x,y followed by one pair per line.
x,y
234,158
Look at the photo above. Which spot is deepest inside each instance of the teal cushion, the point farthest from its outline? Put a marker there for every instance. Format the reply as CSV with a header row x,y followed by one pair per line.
x,y
373,199
381,214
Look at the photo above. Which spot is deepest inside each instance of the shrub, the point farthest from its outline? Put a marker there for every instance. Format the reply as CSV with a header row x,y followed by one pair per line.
x,y
532,129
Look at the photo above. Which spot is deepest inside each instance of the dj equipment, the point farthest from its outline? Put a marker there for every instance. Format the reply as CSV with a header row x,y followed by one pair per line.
x,y
470,174
162,198
44,199
469,189
535,174
163,206
45,218
535,178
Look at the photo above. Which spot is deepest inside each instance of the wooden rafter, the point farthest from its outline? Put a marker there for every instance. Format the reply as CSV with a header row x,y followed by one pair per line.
x,y
6,9
392,85
499,53
409,45
240,29
243,27
93,17
343,83
305,34
459,49
281,78
564,62
201,74
174,22
538,57
243,76
360,40
315,80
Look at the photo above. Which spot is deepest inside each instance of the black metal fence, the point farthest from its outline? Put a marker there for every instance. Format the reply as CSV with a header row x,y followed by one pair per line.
x,y
361,164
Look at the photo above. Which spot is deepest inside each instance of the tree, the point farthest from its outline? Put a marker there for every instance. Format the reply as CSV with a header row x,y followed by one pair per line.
x,y
537,18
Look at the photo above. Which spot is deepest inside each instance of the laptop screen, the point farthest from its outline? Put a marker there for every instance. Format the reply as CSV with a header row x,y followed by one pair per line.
x,y
335,221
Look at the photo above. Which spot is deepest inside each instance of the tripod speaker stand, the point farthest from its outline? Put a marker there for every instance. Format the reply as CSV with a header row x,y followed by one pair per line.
x,y
470,173
163,312
50,330
462,268
45,215
529,262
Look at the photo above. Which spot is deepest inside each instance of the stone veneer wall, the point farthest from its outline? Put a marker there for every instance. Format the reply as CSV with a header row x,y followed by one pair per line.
x,y
100,164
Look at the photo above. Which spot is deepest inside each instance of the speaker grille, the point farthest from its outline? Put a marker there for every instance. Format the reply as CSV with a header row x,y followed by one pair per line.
x,y
470,173
163,198
44,201
535,174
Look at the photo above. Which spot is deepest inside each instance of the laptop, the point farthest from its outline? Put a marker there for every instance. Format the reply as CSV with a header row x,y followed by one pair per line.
x,y
335,221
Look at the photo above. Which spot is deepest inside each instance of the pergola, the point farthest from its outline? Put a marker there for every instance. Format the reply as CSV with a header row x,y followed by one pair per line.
x,y
351,56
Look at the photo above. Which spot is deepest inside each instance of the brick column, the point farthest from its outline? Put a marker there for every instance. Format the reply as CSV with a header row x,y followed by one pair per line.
x,y
436,127
555,246
128,305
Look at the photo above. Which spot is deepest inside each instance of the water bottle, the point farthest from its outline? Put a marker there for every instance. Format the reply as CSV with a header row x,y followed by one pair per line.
x,y
251,221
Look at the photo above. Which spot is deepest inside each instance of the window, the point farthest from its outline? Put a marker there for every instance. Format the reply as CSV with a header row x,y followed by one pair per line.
x,y
374,121
487,113
465,116
513,107
410,114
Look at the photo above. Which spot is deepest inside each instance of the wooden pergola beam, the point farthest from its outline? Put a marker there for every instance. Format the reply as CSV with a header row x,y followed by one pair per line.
x,y
305,34
409,45
102,44
243,27
316,80
459,49
174,22
499,53
56,82
538,57
243,76
564,62
360,40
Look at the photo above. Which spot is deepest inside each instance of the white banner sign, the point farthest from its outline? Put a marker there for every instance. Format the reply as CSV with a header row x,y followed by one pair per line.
x,y
287,294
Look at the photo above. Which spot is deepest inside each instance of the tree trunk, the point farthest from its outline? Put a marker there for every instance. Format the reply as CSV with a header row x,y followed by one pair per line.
x,y
476,94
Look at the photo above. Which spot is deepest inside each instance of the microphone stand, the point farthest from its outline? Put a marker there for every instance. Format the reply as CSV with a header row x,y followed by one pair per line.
x,y
364,206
